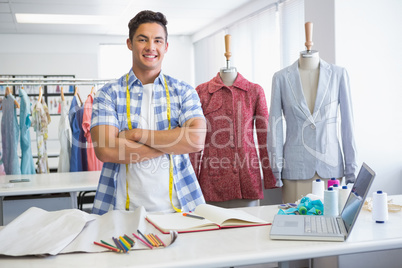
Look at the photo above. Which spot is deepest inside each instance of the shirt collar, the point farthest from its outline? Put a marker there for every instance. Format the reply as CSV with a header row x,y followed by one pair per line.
x,y
216,83
134,81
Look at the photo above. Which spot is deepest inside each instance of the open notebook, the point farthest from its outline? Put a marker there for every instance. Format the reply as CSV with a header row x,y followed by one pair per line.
x,y
311,227
214,218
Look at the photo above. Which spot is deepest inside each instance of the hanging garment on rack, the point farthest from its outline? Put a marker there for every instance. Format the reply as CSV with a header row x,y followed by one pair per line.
x,y
27,163
76,160
2,171
229,167
9,136
59,107
40,122
93,162
65,138
82,139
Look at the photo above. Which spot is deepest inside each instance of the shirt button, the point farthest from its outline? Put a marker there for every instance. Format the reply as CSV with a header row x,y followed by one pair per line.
x,y
312,127
235,170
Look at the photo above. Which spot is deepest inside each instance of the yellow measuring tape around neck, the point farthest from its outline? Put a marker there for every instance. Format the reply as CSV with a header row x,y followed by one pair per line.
x,y
170,156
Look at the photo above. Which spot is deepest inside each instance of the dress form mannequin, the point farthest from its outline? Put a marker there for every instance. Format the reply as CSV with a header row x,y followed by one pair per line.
x,y
228,74
309,70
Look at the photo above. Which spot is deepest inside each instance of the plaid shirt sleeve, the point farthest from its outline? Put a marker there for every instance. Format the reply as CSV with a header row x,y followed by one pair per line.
x,y
190,103
104,108
105,198
187,187
104,112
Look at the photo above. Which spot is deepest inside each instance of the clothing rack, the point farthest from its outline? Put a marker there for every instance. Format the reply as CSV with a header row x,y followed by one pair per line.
x,y
21,81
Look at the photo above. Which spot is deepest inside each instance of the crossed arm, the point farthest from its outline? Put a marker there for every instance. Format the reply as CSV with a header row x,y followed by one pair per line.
x,y
137,145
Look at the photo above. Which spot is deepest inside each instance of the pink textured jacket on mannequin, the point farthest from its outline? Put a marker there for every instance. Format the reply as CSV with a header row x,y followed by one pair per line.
x,y
229,166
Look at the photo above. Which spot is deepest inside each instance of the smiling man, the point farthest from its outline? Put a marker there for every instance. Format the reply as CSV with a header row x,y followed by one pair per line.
x,y
143,127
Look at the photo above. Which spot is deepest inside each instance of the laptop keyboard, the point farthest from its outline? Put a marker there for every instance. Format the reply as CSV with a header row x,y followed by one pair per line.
x,y
321,225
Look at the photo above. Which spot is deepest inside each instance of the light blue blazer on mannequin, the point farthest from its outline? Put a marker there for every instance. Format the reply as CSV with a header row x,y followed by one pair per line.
x,y
312,141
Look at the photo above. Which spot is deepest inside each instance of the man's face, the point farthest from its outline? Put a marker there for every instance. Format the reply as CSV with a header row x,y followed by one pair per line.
x,y
148,47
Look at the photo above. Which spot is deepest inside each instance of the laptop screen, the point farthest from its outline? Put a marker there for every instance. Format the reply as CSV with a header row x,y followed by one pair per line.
x,y
357,196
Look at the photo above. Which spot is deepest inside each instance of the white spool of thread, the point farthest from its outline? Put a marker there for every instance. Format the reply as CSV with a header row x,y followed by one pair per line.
x,y
336,187
342,197
380,207
331,202
318,188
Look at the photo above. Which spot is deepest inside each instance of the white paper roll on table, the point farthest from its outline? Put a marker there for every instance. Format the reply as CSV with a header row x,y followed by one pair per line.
x,y
380,207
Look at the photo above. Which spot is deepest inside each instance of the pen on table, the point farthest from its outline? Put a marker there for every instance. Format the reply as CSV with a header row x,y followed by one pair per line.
x,y
108,247
193,216
20,180
143,241
146,239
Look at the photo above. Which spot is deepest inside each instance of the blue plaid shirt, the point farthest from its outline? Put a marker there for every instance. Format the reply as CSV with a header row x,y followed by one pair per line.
x,y
109,108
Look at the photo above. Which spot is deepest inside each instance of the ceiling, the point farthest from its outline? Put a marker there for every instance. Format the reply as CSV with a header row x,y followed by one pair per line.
x,y
185,17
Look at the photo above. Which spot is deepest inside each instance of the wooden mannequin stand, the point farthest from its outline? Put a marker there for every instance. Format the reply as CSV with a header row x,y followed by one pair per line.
x,y
228,74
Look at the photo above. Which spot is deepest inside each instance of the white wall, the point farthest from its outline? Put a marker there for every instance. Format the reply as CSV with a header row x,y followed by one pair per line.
x,y
368,44
322,14
78,55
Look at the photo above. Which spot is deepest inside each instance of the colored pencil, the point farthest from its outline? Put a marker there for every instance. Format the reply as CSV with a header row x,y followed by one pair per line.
x,y
108,244
143,236
118,244
156,240
160,240
155,244
123,245
128,239
108,247
148,245
125,242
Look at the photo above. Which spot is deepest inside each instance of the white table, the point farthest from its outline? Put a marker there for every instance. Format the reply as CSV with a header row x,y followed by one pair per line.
x,y
234,247
51,191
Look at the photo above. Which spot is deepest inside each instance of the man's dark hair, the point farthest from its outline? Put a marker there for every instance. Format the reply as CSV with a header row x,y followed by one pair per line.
x,y
146,16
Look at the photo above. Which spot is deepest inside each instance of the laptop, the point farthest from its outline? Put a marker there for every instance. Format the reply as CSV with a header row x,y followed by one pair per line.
x,y
326,228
